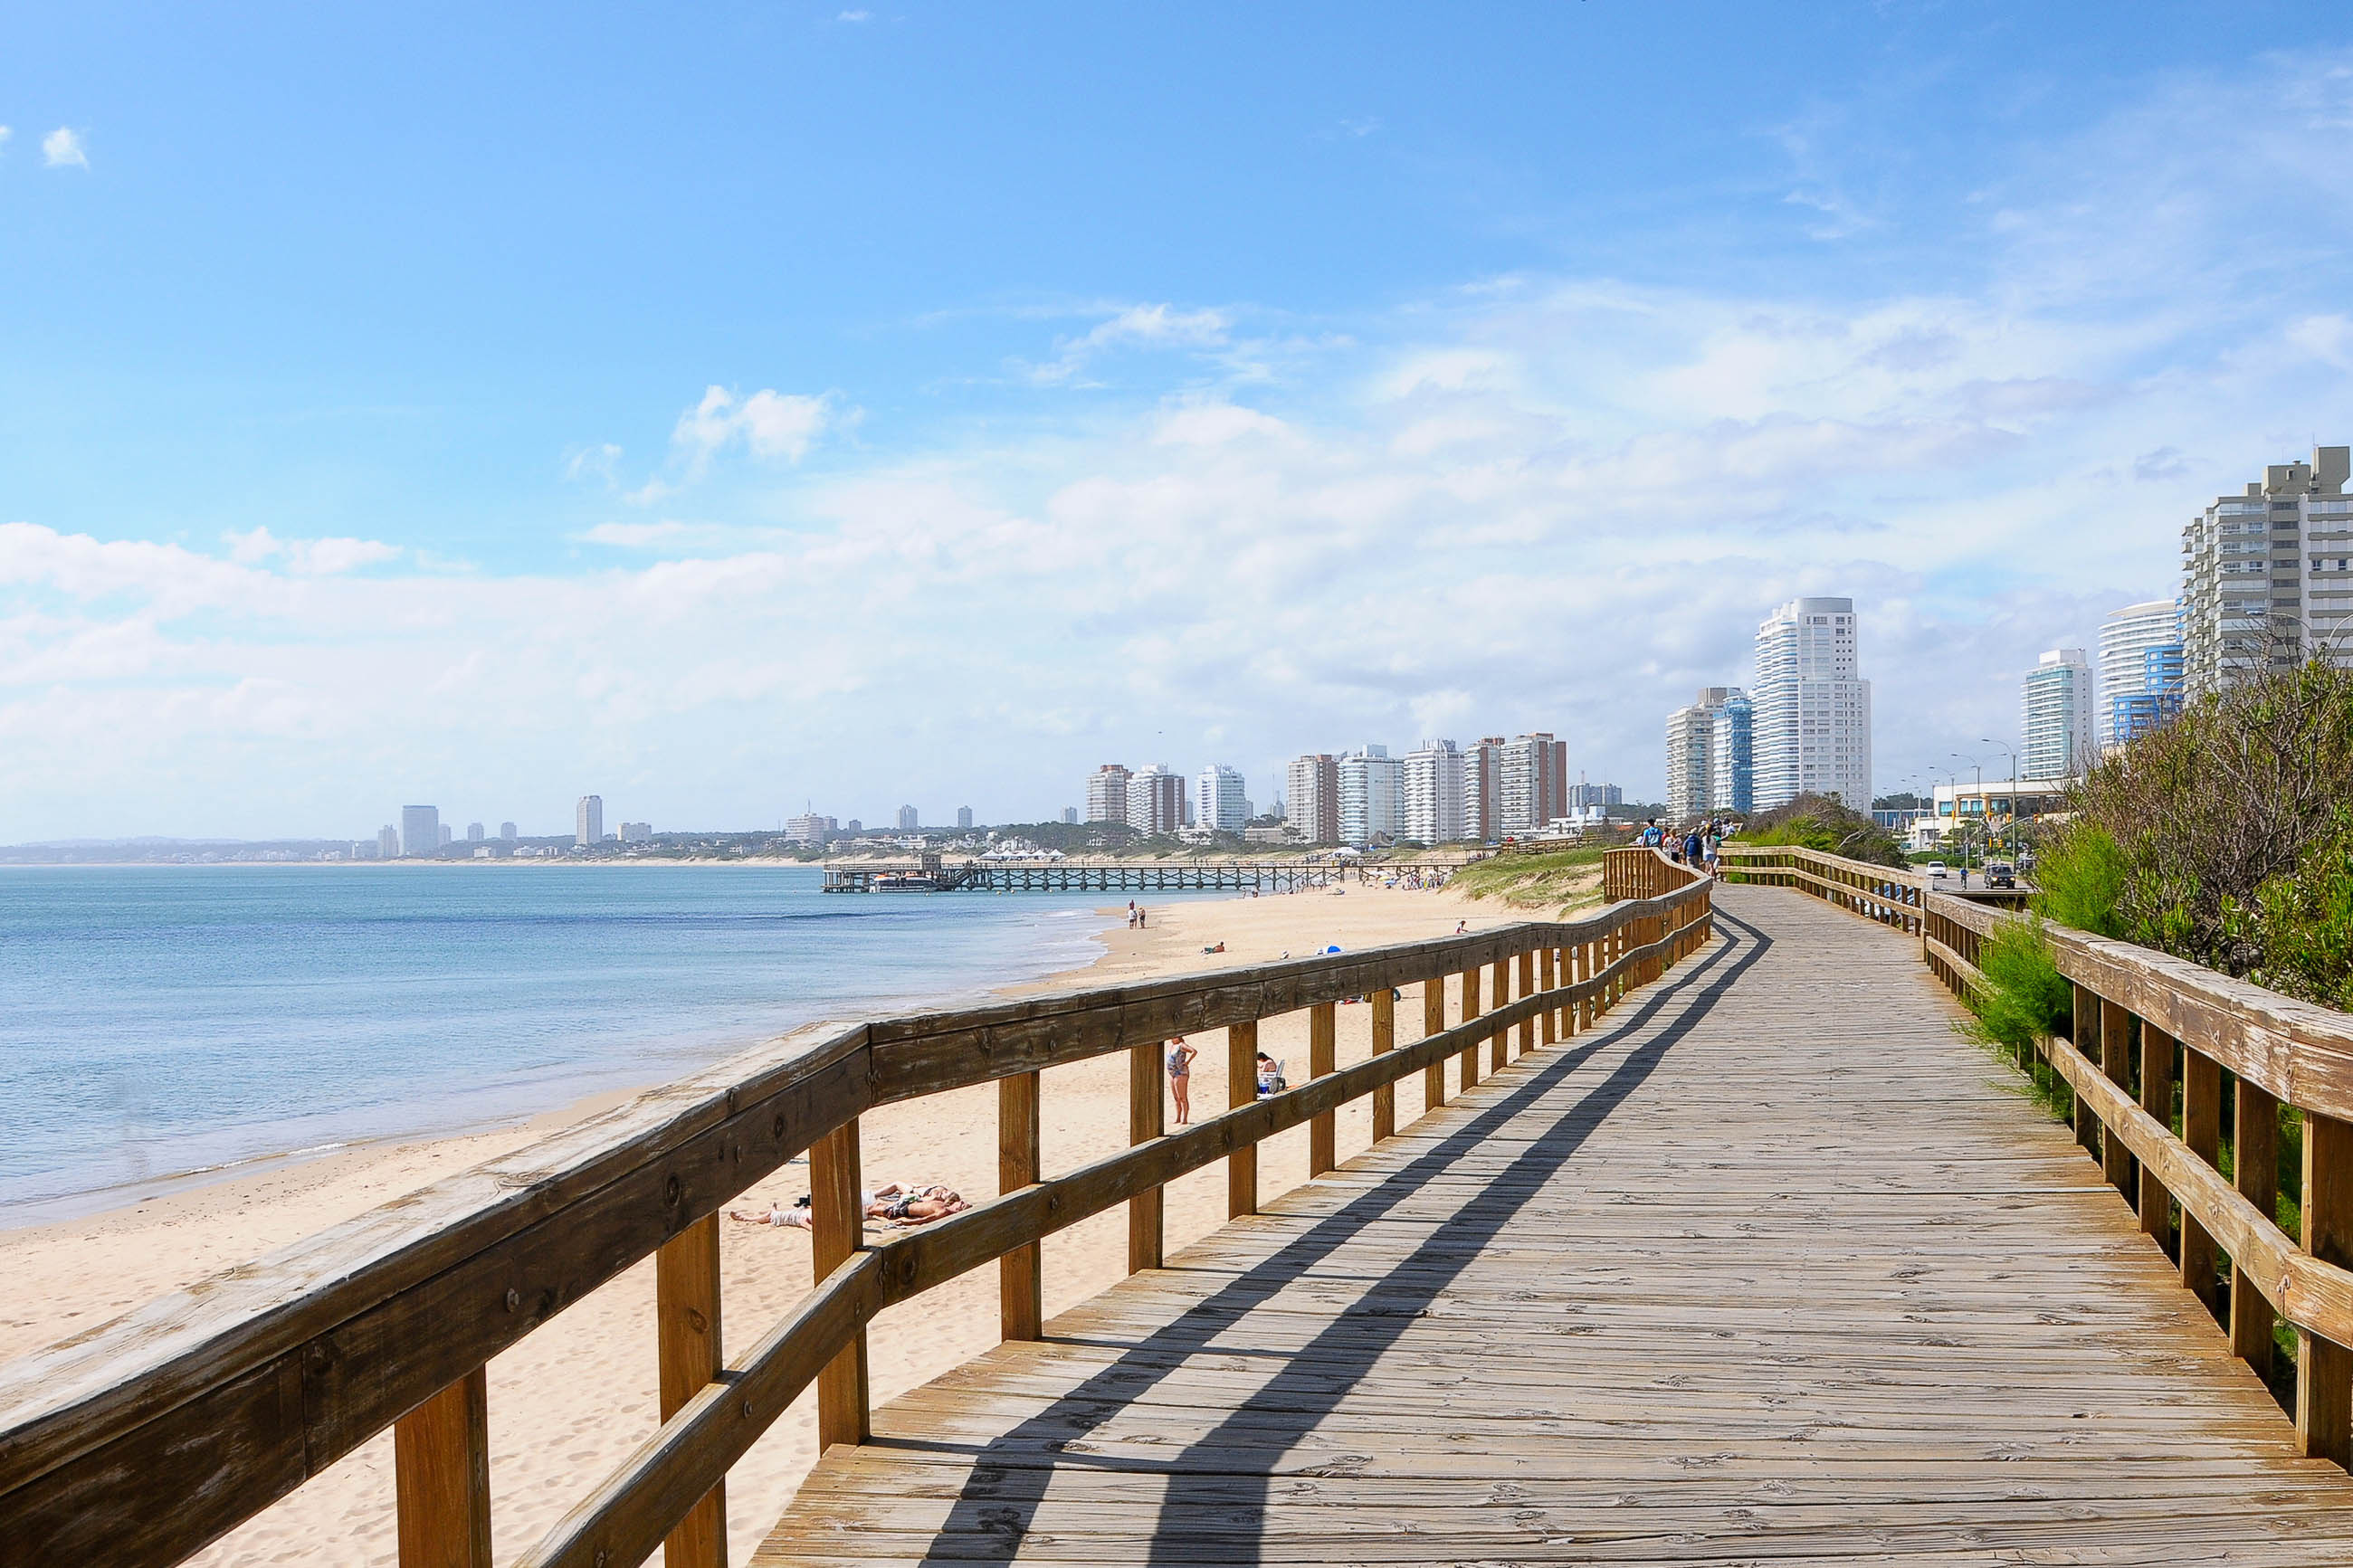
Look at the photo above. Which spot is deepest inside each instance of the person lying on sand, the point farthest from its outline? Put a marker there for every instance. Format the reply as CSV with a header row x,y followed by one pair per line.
x,y
897,1205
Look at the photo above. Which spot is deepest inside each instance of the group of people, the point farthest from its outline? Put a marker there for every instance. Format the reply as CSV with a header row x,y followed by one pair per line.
x,y
900,1204
1180,1077
1699,847
1134,915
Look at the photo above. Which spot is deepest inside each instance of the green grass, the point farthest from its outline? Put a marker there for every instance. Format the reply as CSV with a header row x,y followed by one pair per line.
x,y
1565,878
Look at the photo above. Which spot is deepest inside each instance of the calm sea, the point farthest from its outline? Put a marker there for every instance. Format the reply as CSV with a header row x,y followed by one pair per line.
x,y
159,1021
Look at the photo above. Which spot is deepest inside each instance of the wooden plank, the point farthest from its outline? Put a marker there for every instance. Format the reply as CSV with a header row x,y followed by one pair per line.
x,y
1022,1300
1469,1074
1384,1039
2087,1026
837,1231
2154,1203
441,1477
2115,1060
1241,1089
2254,1166
2323,1366
1147,1119
1322,1060
687,1343
2201,1134
1433,1022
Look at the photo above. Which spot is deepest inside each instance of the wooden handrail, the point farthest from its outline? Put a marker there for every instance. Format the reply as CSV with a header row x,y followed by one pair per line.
x,y
156,1434
2134,1009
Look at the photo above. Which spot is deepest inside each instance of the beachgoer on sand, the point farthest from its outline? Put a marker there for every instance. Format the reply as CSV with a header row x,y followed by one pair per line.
x,y
1180,1078
897,1204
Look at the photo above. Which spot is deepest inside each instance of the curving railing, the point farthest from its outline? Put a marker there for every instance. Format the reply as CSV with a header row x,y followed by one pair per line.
x,y
141,1442
2162,1055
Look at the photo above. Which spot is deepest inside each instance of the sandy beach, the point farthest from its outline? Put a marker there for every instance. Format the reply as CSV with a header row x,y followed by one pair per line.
x,y
572,1400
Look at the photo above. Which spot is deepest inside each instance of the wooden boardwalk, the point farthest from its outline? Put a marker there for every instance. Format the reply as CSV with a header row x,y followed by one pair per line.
x,y
1771,1269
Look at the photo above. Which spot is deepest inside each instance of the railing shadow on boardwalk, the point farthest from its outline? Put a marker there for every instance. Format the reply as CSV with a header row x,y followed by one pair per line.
x,y
1001,1500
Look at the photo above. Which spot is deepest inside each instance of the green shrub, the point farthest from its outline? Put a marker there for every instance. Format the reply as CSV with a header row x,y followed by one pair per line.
x,y
2301,923
1824,824
2024,997
2079,879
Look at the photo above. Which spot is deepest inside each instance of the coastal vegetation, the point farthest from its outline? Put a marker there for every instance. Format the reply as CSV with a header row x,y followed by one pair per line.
x,y
1562,879
1827,825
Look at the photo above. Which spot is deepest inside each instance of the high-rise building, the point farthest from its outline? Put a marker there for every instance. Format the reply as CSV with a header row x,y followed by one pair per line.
x,y
1582,795
2056,723
2139,684
387,841
588,821
637,832
1711,756
1483,789
448,833
1313,798
420,829
1370,807
1107,793
1155,800
1218,802
1812,706
2267,576
808,829
473,833
1532,783
910,820
507,830
1071,814
964,817
1429,780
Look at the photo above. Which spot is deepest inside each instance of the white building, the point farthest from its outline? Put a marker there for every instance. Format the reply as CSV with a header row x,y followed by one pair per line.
x,y
1812,708
2057,717
506,830
1711,764
964,817
910,819
388,842
1370,792
808,829
1313,794
2140,676
637,832
1532,783
473,833
420,829
588,820
1155,801
1218,805
2267,576
1483,789
1429,780
1107,793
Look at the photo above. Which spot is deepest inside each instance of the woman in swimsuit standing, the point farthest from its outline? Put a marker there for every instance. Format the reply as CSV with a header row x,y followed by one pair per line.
x,y
1180,1078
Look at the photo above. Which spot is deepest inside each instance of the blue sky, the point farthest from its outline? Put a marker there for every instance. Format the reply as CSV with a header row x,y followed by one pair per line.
x,y
729,406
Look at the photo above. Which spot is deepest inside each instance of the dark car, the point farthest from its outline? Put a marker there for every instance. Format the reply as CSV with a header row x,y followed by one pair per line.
x,y
2001,874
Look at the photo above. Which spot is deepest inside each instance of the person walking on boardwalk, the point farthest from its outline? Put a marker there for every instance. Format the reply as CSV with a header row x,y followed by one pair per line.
x,y
1180,1078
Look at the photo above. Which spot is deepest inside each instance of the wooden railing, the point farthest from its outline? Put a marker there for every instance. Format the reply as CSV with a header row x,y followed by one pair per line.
x,y
143,1441
1888,894
2162,1056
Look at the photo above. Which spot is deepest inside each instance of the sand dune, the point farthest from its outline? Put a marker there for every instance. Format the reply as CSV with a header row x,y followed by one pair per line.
x,y
572,1400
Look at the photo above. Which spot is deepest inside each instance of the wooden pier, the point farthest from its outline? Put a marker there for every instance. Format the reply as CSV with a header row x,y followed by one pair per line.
x,y
934,874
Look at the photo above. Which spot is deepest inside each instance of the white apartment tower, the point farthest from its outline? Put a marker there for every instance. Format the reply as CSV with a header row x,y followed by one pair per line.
x,y
2267,576
1711,766
1429,786
1813,709
588,820
1483,789
1312,803
1107,793
420,829
1155,800
1370,786
1219,803
2140,669
2057,717
1531,783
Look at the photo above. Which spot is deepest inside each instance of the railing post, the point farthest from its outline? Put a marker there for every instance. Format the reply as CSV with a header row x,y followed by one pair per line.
x,y
1528,989
441,1477
1433,1022
1499,1044
1322,1060
1384,1039
2155,1203
837,1229
2085,1023
1547,980
2324,1369
1147,1119
1242,1088
2201,1130
2115,1060
686,1333
1470,1011
1020,1282
2255,1171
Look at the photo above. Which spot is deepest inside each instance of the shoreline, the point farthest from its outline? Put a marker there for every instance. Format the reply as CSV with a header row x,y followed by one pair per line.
x,y
573,1399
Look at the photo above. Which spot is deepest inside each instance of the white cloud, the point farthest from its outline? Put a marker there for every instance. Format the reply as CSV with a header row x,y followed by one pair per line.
x,y
768,424
62,149
853,15
1160,326
5,134
310,557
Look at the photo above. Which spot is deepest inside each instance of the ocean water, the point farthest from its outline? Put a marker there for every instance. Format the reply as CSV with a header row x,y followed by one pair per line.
x,y
156,1021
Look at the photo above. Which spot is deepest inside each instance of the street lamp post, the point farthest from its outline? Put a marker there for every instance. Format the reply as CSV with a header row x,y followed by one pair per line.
x,y
1957,809
2009,822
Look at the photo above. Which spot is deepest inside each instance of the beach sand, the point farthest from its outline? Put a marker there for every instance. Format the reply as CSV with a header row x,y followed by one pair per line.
x,y
572,1400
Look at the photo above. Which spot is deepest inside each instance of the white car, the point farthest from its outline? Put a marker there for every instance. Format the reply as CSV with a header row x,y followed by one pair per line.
x,y
1937,869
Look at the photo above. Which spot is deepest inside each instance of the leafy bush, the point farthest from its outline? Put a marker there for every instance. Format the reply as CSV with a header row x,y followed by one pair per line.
x,y
2079,879
2024,997
1823,823
2301,924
